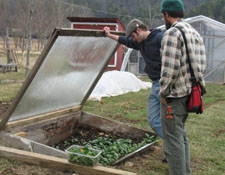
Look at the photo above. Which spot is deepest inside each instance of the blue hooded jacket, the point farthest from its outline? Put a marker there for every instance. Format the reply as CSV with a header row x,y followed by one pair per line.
x,y
150,50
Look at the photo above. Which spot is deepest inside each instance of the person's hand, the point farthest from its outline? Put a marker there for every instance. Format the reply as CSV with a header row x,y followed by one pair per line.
x,y
110,35
163,101
106,30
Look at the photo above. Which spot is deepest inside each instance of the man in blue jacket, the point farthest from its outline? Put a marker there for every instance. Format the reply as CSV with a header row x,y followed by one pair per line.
x,y
148,42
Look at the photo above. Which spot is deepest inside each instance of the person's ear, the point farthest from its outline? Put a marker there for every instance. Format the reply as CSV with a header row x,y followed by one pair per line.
x,y
166,15
138,30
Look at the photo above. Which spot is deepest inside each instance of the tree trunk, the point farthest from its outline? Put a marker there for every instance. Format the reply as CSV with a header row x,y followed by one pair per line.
x,y
16,42
23,48
7,45
29,40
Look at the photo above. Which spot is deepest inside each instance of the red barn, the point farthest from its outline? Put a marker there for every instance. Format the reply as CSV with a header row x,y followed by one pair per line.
x,y
99,24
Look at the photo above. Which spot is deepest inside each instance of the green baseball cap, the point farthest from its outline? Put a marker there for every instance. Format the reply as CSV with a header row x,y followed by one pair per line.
x,y
172,5
132,26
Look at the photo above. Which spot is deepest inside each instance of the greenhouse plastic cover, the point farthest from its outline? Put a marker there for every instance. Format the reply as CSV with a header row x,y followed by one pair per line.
x,y
115,83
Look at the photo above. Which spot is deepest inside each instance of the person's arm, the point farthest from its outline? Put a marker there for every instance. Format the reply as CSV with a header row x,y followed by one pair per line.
x,y
108,34
121,39
170,61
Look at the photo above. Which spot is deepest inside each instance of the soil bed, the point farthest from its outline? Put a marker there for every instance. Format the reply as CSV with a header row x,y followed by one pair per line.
x,y
84,135
113,147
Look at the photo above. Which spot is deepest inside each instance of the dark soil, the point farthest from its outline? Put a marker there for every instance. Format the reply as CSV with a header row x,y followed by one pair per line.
x,y
84,135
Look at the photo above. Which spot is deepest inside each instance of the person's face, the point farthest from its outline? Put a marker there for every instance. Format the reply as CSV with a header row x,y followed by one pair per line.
x,y
167,22
137,36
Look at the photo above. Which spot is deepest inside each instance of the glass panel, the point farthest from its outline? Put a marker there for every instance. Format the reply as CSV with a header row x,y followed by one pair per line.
x,y
134,56
142,65
217,73
196,25
66,75
214,40
133,68
214,48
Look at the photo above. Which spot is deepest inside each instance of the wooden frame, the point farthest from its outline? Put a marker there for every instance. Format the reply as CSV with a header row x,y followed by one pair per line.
x,y
47,129
40,117
56,33
38,146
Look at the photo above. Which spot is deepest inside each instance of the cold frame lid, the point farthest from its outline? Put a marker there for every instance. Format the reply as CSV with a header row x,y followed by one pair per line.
x,y
64,75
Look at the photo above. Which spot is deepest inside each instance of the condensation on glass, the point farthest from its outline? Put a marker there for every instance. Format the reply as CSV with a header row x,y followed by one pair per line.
x,y
66,75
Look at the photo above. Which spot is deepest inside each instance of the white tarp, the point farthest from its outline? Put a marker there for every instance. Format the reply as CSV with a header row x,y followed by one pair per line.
x,y
113,83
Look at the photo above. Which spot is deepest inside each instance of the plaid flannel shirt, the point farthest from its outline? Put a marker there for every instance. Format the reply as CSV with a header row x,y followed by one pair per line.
x,y
175,74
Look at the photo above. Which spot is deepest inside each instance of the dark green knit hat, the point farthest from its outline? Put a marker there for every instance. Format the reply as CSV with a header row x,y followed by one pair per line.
x,y
172,5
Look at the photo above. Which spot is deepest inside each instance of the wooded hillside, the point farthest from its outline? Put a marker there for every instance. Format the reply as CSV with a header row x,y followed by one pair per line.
x,y
45,15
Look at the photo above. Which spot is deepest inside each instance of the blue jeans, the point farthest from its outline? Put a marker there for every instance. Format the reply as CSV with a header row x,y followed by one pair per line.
x,y
154,109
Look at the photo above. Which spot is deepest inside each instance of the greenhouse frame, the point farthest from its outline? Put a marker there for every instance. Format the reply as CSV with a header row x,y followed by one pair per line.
x,y
213,33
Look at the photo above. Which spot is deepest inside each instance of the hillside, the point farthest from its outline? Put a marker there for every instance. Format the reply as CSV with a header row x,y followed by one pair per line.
x,y
50,14
127,9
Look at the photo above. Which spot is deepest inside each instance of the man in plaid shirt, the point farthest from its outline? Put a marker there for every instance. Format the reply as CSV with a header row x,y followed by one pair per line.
x,y
175,83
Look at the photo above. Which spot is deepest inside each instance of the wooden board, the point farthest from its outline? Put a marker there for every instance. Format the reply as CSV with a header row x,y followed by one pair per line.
x,y
21,134
50,131
29,120
57,163
116,128
85,32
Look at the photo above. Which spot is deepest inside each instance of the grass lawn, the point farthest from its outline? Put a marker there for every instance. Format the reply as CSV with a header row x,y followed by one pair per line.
x,y
11,82
206,132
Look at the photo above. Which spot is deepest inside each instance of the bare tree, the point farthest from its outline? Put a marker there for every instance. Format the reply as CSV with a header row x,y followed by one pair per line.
x,y
25,9
21,23
5,26
2,20
38,18
60,12
31,10
7,45
43,24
